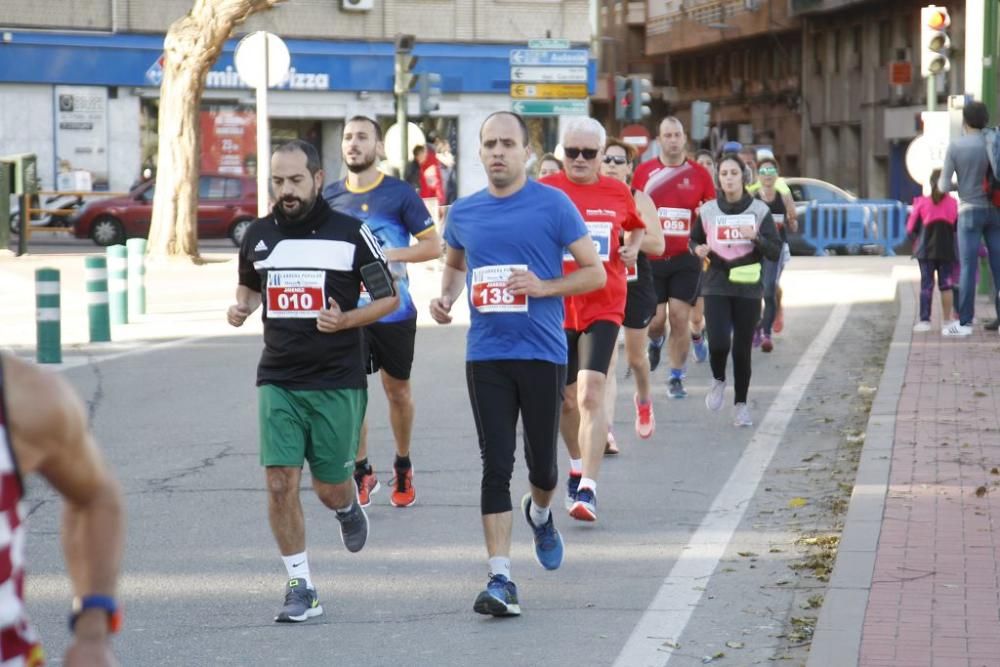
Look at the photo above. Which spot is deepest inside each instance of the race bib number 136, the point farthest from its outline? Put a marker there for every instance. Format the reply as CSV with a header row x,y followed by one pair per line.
x,y
488,290
295,293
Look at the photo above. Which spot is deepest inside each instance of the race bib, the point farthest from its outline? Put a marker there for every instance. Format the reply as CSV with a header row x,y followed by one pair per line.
x,y
675,221
600,234
734,229
295,293
488,290
779,220
631,273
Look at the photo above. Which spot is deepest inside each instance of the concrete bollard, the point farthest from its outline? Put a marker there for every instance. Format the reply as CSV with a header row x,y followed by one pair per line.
x,y
48,337
96,275
117,284
136,277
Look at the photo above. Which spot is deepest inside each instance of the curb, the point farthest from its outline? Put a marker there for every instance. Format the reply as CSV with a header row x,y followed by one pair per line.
x,y
837,638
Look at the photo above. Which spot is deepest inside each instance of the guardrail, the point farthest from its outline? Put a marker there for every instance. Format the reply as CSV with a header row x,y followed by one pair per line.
x,y
28,212
872,222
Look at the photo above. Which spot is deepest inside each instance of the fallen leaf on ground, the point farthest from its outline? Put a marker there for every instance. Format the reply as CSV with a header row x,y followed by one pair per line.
x,y
732,644
981,491
671,644
865,390
797,502
995,471
712,658
746,554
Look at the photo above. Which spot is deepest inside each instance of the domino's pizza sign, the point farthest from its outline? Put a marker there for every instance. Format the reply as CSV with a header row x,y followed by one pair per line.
x,y
228,77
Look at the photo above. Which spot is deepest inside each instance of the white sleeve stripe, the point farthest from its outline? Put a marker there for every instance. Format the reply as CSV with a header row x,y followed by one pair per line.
x,y
372,242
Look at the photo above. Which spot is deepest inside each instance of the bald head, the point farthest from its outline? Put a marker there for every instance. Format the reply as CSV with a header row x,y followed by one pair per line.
x,y
672,140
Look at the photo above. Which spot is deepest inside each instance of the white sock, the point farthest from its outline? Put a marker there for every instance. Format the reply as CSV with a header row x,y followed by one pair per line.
x,y
539,515
297,566
587,483
500,565
576,465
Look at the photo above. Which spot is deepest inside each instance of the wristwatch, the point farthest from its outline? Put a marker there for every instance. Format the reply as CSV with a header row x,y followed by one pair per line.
x,y
105,602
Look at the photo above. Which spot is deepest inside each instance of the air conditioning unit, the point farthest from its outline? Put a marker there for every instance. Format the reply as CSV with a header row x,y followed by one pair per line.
x,y
357,5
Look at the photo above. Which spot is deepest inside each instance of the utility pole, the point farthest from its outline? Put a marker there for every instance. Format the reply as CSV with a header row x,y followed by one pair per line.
x,y
403,81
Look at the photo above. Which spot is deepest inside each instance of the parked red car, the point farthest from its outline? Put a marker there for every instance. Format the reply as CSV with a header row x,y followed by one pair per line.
x,y
226,206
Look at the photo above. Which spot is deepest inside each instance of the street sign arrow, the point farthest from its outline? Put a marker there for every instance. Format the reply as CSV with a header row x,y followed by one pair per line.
x,y
549,91
550,107
549,74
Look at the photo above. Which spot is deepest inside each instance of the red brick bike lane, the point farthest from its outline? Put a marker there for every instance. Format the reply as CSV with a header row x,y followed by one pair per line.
x,y
934,598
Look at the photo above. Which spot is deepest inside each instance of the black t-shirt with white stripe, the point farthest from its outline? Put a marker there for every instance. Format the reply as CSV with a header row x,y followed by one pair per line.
x,y
296,267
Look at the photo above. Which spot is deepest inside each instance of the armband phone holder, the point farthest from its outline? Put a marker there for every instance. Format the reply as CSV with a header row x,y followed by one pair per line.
x,y
377,280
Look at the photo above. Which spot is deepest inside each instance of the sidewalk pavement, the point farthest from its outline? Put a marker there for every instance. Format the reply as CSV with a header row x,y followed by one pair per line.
x,y
917,580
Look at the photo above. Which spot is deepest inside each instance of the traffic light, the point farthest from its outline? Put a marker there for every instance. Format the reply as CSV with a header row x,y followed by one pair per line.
x,y
700,119
429,88
934,41
623,92
638,107
405,62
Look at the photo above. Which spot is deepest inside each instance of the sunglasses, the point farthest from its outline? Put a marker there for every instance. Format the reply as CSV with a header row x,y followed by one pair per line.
x,y
614,159
574,153
767,171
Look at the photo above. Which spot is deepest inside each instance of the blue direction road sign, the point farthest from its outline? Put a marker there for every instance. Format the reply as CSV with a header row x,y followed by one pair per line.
x,y
549,74
550,107
567,57
548,43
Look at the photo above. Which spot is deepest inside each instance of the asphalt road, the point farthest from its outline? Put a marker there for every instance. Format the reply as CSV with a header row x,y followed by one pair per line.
x,y
202,578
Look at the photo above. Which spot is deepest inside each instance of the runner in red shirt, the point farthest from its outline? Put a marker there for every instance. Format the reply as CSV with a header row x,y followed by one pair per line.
x,y
677,186
593,318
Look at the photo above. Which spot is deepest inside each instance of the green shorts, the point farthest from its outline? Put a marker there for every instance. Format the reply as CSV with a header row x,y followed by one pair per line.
x,y
318,426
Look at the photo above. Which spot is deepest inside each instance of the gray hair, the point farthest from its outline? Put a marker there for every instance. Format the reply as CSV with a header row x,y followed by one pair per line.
x,y
585,125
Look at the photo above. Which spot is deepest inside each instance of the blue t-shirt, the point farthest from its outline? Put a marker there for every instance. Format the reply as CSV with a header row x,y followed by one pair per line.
x,y
393,212
530,227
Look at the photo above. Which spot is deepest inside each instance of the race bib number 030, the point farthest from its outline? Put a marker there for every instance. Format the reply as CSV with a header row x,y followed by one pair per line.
x,y
488,290
295,293
675,221
735,229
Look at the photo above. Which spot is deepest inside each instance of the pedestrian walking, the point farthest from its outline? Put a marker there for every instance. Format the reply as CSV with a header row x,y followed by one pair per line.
x,y
735,232
505,246
931,226
395,214
306,265
978,219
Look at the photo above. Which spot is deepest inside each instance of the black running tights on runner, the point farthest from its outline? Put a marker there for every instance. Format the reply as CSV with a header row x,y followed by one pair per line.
x,y
730,321
500,391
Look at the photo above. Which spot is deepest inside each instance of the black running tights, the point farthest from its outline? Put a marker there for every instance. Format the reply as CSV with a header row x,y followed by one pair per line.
x,y
729,322
500,391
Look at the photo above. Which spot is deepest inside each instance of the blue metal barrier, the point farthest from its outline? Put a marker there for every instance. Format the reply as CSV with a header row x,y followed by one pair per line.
x,y
854,225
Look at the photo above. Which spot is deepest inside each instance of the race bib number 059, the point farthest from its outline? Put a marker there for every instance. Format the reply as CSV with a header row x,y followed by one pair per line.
x,y
675,221
295,293
735,229
488,290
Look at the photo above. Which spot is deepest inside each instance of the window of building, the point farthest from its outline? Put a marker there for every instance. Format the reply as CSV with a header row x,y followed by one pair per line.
x,y
884,41
836,51
819,53
857,46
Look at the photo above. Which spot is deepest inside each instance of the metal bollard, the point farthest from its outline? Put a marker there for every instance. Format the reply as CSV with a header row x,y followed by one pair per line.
x,y
48,329
136,277
117,284
96,276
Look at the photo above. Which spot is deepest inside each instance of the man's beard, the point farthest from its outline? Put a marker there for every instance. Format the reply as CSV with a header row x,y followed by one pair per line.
x,y
305,206
367,161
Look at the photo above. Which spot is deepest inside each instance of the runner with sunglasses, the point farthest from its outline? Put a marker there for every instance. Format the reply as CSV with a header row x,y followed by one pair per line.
x,y
677,186
593,319
640,302
783,211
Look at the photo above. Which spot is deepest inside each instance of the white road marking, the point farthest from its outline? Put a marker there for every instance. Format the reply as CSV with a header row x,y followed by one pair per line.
x,y
669,612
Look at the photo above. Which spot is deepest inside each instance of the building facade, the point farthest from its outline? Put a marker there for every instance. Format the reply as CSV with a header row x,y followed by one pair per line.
x,y
809,79
80,86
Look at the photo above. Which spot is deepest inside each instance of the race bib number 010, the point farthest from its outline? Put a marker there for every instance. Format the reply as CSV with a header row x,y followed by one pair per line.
x,y
675,221
488,290
735,229
295,293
